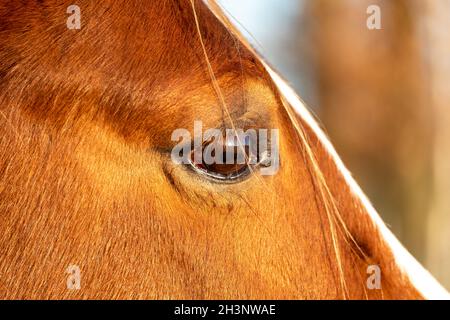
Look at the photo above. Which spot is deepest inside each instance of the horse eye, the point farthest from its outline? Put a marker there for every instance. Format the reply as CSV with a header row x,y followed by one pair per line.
x,y
230,166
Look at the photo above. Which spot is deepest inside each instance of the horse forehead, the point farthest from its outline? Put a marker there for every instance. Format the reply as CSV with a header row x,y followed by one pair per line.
x,y
164,40
161,50
132,43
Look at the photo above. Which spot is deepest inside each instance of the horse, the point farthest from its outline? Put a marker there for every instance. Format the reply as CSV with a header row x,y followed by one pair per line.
x,y
87,182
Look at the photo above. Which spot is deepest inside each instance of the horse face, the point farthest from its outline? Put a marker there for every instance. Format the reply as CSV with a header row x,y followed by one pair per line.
x,y
91,182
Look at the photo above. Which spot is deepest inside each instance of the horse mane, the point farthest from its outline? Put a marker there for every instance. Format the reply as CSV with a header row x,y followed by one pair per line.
x,y
420,278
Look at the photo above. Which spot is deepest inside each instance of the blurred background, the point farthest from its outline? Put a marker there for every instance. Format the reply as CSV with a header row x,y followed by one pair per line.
x,y
383,97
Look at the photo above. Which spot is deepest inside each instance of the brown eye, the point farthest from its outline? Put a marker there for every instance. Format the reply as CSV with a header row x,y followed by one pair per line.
x,y
224,164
